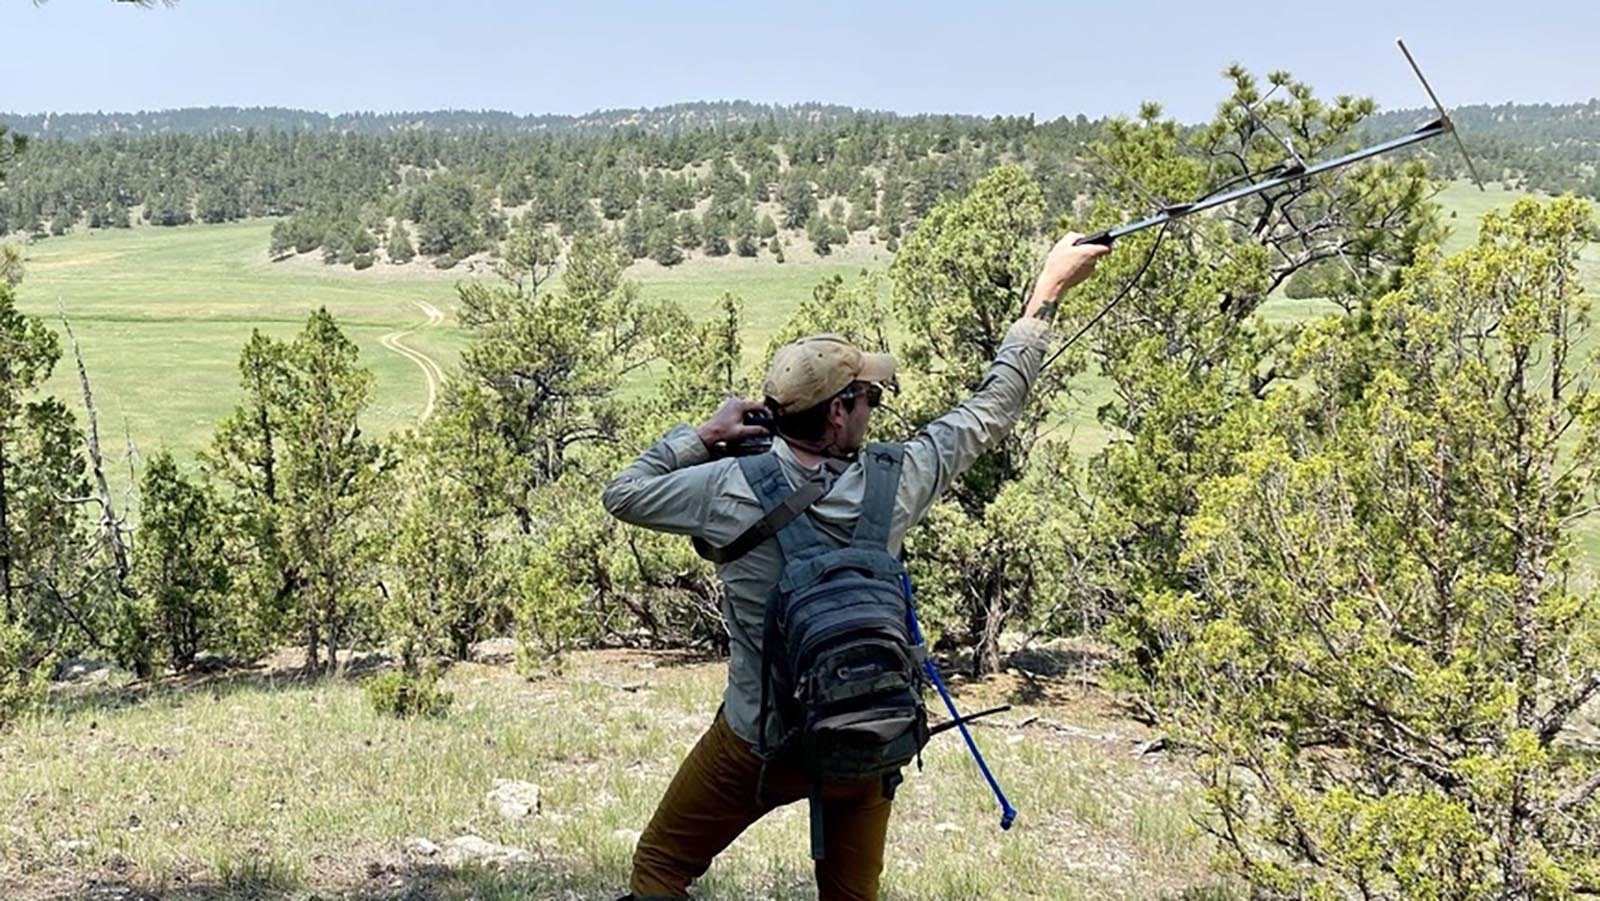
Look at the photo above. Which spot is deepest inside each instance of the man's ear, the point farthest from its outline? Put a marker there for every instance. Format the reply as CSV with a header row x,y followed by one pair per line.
x,y
838,416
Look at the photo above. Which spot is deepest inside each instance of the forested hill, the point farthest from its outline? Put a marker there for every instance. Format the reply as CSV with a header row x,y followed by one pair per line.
x,y
1521,123
1539,146
1528,123
695,178
446,195
222,119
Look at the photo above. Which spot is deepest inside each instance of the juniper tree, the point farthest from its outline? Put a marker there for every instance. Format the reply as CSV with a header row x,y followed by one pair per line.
x,y
452,554
246,457
303,479
1187,348
30,353
330,480
42,587
959,282
180,570
1387,629
633,575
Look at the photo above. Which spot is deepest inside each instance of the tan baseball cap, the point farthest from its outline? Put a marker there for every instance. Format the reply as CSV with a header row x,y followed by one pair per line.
x,y
813,369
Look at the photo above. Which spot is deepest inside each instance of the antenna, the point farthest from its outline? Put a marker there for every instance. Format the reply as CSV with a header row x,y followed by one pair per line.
x,y
1444,116
1297,170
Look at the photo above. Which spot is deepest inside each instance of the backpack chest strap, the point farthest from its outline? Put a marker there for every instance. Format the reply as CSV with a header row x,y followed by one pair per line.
x,y
783,507
882,464
771,523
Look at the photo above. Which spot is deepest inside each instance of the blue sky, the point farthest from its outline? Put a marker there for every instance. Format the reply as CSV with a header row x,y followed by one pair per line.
x,y
986,58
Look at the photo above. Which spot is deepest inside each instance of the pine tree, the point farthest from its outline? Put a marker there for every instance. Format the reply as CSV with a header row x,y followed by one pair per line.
x,y
399,247
797,199
663,245
303,480
179,568
819,231
715,236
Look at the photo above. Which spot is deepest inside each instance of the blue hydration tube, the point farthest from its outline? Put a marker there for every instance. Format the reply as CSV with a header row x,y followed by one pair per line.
x,y
1008,814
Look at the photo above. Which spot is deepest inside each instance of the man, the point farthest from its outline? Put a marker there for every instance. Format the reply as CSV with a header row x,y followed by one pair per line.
x,y
821,392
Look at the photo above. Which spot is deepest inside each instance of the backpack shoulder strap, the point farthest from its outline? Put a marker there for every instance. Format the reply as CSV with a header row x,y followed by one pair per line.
x,y
782,506
882,463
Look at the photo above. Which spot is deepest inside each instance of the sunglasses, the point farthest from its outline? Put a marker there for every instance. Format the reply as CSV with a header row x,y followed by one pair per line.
x,y
872,390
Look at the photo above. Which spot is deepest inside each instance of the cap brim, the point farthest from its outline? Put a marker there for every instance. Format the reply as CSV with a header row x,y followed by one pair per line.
x,y
876,368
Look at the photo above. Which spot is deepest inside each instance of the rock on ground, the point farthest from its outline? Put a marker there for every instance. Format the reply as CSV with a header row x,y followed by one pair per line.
x,y
513,799
417,846
467,849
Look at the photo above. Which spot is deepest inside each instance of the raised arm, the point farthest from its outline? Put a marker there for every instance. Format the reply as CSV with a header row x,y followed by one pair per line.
x,y
946,447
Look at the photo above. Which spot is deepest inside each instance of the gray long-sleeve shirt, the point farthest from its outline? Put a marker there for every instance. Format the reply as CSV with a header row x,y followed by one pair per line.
x,y
675,487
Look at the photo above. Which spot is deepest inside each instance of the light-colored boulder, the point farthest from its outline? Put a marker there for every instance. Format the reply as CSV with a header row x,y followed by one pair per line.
x,y
467,849
513,799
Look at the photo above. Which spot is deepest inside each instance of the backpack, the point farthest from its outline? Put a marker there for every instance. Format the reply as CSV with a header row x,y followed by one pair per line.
x,y
842,679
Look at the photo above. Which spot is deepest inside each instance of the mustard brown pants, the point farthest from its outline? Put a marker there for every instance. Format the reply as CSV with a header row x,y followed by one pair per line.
x,y
713,798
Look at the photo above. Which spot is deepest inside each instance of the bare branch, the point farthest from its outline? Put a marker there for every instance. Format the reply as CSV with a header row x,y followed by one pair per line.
x,y
1555,718
1578,794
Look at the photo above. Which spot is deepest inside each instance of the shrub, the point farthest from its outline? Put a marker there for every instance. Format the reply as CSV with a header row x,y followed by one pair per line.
x,y
403,694
1383,645
22,673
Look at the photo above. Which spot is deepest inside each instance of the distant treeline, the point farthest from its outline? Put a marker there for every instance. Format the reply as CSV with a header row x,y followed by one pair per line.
x,y
218,119
710,178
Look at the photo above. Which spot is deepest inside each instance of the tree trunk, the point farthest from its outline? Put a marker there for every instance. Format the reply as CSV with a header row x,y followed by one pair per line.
x,y
269,476
331,627
5,538
988,624
989,645
312,660
110,525
1531,507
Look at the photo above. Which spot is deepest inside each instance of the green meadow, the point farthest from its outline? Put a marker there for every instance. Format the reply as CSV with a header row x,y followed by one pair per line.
x,y
161,315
